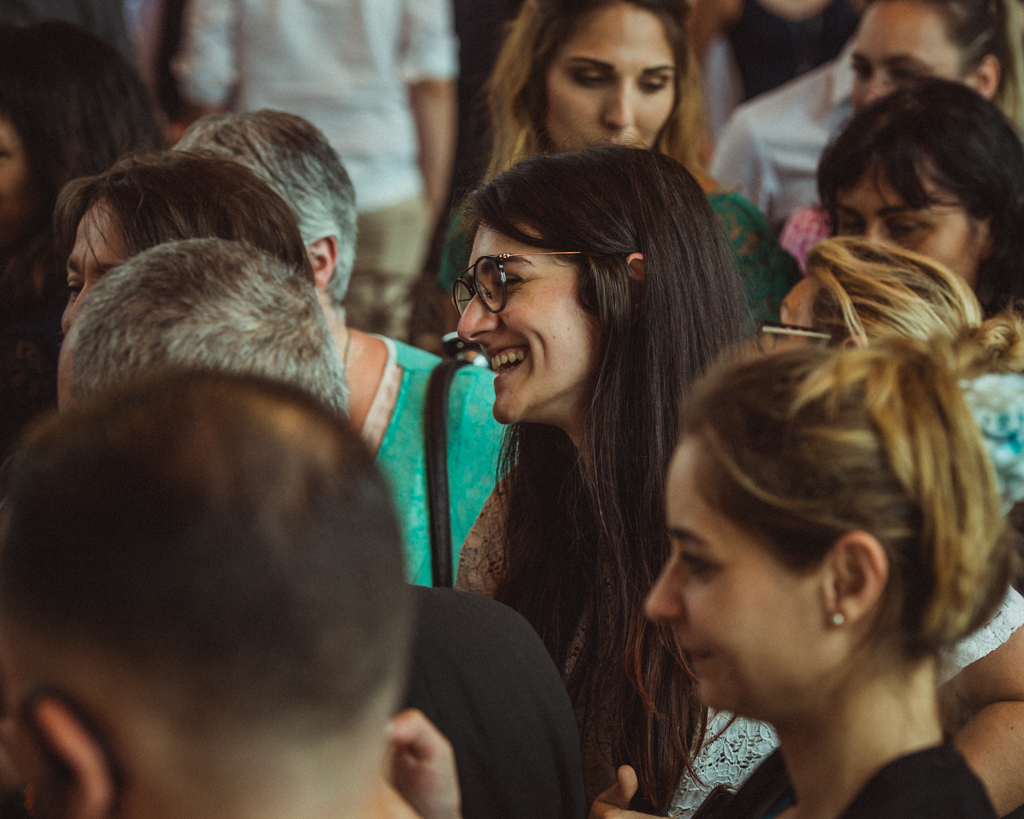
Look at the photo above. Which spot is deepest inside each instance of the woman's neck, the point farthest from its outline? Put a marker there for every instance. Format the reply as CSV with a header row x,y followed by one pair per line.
x,y
833,754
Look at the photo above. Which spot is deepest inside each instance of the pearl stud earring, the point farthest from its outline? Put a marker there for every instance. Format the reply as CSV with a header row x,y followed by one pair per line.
x,y
838,619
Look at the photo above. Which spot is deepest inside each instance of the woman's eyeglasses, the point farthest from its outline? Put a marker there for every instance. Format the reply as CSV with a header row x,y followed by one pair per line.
x,y
771,334
487,280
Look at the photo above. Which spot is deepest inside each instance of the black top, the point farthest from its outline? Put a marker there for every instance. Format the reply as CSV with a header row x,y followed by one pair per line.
x,y
771,51
934,783
483,677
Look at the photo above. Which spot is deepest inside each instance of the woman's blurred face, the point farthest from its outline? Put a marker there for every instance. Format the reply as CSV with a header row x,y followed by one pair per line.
x,y
19,200
943,231
97,248
543,345
612,81
901,41
752,628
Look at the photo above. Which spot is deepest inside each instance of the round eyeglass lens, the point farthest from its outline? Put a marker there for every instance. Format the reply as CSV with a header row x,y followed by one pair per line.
x,y
463,294
490,282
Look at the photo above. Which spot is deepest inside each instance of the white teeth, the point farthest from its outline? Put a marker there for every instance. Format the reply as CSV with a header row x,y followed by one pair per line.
x,y
505,361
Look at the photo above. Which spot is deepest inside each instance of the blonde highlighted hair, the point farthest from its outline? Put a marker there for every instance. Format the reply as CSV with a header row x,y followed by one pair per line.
x,y
517,90
805,445
869,292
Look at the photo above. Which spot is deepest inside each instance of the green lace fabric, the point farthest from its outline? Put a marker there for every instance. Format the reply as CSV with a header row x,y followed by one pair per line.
x,y
768,271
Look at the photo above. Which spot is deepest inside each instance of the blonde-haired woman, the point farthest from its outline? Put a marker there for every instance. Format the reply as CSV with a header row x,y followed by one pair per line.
x,y
573,74
862,291
824,553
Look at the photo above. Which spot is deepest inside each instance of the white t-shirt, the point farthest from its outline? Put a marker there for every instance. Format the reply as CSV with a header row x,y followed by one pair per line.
x,y
345,65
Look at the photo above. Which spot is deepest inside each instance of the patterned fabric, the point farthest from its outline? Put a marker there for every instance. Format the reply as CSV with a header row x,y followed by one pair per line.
x,y
768,272
804,230
733,748
997,402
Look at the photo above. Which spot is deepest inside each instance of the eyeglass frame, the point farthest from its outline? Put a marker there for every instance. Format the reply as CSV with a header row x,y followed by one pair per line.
x,y
473,285
778,328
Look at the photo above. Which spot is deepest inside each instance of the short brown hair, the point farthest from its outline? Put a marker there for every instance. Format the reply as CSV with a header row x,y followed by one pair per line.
x,y
181,195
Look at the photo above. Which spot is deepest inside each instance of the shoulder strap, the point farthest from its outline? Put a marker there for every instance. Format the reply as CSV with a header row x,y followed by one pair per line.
x,y
436,439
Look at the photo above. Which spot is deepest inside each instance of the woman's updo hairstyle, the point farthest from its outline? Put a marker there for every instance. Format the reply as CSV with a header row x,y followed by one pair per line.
x,y
870,292
807,444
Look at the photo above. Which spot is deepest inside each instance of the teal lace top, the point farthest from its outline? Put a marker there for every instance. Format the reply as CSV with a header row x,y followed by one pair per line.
x,y
768,271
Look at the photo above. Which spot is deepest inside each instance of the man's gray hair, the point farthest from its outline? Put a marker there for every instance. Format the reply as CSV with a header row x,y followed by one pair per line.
x,y
296,160
210,305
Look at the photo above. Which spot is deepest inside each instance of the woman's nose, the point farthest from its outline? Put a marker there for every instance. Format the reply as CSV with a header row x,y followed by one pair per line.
x,y
619,109
664,604
476,320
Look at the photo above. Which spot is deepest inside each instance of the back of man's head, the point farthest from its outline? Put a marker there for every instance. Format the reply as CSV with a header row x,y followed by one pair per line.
x,y
297,161
207,572
210,305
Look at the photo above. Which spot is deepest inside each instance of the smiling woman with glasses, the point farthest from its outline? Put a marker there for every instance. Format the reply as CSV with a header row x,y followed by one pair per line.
x,y
601,285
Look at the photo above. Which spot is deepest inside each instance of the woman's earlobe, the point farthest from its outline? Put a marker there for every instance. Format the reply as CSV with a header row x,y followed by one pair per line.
x,y
857,570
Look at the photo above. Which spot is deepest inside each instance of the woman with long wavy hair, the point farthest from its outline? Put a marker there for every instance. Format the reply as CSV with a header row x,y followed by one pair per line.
x,y
601,286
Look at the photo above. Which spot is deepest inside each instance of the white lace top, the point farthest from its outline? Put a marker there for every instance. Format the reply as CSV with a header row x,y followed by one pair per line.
x,y
732,751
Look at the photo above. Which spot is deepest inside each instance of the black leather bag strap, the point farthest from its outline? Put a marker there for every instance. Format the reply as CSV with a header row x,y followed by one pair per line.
x,y
436,439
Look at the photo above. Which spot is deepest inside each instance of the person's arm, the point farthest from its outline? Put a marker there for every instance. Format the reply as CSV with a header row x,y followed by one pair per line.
x,y
435,112
990,694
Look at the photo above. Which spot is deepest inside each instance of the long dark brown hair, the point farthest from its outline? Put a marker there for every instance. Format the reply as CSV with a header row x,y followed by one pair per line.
x,y
77,105
586,529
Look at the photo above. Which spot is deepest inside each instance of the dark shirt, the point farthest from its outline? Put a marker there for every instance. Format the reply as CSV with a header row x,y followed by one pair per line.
x,y
483,677
771,51
935,783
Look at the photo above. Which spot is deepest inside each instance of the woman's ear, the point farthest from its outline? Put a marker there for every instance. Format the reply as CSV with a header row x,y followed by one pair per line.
x,y
856,571
91,792
985,77
635,263
855,342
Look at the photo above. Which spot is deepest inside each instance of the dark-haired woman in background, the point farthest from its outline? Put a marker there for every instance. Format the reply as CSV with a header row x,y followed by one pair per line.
x,y
601,286
70,105
935,169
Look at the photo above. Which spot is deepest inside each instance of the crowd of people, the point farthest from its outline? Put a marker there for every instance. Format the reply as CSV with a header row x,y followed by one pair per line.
x,y
727,471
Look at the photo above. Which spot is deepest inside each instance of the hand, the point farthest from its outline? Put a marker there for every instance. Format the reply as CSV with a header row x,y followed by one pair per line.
x,y
614,802
422,766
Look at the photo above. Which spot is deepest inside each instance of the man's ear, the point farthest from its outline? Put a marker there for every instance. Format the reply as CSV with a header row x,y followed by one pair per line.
x,y
856,571
92,791
323,255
